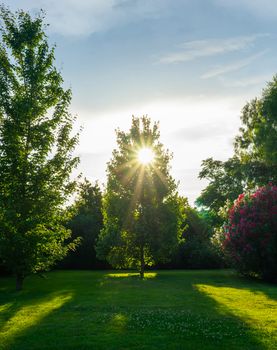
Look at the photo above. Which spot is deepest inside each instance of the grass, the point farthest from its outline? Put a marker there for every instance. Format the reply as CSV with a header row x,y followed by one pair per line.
x,y
115,310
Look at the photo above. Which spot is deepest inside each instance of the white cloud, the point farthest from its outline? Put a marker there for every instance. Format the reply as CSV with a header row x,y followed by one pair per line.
x,y
203,48
221,70
83,17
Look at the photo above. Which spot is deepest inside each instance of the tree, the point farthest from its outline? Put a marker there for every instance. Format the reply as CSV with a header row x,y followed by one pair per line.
x,y
258,136
86,222
142,216
226,182
255,161
195,250
35,148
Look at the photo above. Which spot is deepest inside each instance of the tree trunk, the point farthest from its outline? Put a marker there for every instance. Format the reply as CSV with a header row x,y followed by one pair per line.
x,y
142,262
19,282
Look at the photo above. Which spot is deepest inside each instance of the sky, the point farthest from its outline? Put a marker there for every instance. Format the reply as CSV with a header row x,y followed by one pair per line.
x,y
191,65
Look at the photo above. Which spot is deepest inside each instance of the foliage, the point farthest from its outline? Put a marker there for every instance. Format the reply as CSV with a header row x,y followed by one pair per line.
x,y
255,161
196,249
226,182
258,136
35,148
142,214
251,233
218,235
86,222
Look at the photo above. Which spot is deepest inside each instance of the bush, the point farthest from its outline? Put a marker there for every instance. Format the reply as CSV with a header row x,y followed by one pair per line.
x,y
196,250
86,222
251,233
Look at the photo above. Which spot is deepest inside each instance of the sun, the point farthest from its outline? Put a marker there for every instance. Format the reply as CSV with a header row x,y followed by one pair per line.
x,y
146,156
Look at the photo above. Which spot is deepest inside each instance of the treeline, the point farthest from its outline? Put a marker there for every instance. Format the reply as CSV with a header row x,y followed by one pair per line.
x,y
194,250
253,165
138,220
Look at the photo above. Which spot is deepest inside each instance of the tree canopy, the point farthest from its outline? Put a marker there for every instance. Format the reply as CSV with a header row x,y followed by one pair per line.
x,y
258,135
255,160
142,216
36,148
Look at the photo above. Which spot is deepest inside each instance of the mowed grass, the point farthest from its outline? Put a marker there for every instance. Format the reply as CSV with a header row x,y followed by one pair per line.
x,y
116,310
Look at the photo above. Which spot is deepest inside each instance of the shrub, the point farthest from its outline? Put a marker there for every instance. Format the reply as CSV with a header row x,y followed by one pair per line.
x,y
251,233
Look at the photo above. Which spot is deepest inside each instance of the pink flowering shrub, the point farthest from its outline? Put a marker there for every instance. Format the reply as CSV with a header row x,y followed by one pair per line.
x,y
250,239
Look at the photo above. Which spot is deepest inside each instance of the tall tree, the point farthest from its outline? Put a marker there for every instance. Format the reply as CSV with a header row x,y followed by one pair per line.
x,y
257,138
226,182
86,223
142,216
255,161
35,148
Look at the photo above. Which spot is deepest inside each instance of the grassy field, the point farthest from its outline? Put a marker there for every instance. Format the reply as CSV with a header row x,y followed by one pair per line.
x,y
115,310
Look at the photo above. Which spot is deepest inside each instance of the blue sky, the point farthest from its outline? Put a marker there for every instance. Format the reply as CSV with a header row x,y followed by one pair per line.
x,y
191,65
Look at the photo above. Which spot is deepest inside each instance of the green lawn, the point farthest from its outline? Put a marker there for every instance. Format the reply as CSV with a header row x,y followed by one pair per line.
x,y
115,310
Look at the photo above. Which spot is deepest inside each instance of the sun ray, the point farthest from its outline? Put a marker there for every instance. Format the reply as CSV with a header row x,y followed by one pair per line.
x,y
129,174
137,192
160,175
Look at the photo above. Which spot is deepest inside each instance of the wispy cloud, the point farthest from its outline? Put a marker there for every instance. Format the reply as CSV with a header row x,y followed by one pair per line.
x,y
203,48
84,17
235,66
246,82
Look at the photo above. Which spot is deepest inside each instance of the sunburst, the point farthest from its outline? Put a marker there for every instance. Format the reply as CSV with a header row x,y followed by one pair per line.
x,y
145,155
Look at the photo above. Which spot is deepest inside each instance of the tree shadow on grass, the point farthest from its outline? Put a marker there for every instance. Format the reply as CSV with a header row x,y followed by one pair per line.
x,y
252,302
18,315
170,311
